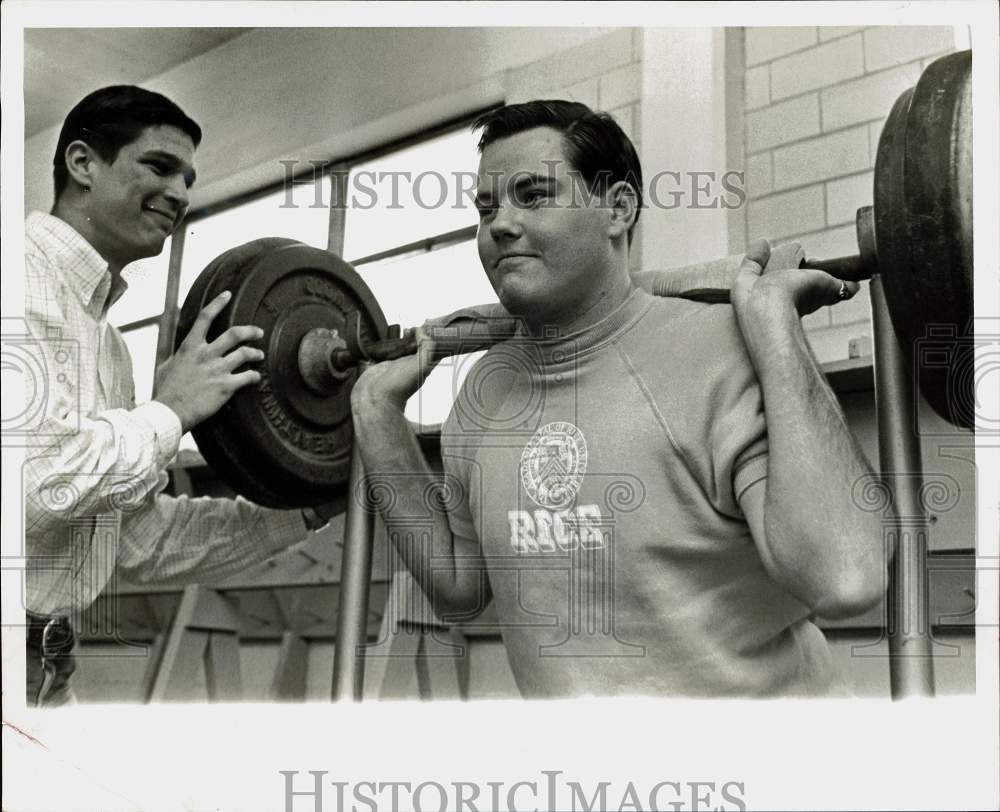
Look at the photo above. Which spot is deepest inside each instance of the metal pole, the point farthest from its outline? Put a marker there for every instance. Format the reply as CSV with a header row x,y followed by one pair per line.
x,y
911,669
355,579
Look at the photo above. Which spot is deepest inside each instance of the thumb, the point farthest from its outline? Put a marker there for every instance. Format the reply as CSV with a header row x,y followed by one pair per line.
x,y
757,256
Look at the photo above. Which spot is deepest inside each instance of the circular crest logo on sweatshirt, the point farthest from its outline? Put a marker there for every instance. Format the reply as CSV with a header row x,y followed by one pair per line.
x,y
553,464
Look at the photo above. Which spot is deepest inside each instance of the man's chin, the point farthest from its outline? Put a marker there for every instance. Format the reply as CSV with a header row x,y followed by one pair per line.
x,y
151,249
517,303
519,295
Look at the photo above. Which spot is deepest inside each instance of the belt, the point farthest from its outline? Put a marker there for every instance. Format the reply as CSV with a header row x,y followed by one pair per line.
x,y
50,634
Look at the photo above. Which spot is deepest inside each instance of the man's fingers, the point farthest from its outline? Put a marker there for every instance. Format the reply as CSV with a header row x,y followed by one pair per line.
x,y
235,336
242,379
757,256
207,315
241,356
852,288
831,288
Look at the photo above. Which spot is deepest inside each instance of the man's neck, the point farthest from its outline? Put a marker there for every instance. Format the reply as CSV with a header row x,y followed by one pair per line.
x,y
77,218
602,303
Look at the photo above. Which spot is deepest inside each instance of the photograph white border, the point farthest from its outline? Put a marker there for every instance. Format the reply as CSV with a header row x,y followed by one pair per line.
x,y
862,754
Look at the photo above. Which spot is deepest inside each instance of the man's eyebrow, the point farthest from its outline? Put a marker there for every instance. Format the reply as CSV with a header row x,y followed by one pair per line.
x,y
174,162
533,179
521,180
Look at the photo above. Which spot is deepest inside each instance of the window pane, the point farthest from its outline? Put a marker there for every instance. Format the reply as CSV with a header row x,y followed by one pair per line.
x,y
432,402
269,216
187,442
147,285
416,287
409,195
142,347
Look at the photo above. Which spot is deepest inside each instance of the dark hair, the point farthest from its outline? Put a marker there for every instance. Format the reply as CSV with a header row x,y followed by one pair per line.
x,y
595,144
112,117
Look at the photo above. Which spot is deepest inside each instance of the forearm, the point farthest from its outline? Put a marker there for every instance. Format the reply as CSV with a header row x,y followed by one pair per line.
x,y
413,514
94,465
183,540
824,548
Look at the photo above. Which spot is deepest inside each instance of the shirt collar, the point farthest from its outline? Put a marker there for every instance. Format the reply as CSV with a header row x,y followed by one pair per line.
x,y
83,268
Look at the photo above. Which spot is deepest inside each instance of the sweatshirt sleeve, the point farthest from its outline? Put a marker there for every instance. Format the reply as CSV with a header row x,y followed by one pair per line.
x,y
719,416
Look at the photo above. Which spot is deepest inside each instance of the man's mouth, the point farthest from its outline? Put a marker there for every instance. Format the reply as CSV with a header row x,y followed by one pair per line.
x,y
514,255
169,218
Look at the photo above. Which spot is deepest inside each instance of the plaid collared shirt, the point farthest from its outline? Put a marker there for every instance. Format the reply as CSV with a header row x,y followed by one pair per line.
x,y
94,475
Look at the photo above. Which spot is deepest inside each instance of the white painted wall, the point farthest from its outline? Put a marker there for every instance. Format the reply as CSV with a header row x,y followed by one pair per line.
x,y
683,130
324,93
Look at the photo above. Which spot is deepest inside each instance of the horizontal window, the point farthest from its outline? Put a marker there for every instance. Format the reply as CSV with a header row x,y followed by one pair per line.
x,y
411,194
147,289
142,347
415,287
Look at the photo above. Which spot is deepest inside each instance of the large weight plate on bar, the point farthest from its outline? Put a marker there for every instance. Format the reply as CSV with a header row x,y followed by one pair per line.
x,y
279,443
923,230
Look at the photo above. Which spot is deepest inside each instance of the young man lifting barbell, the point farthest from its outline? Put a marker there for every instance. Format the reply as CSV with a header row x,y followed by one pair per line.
x,y
93,503
610,479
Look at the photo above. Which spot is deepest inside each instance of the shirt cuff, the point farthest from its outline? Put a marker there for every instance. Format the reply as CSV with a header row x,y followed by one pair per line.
x,y
282,529
167,427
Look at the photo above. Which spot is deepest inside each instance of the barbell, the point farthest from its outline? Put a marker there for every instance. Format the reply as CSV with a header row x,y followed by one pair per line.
x,y
286,442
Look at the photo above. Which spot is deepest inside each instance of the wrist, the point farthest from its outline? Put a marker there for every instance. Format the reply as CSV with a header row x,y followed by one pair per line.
x,y
318,516
373,406
312,519
769,308
769,324
178,413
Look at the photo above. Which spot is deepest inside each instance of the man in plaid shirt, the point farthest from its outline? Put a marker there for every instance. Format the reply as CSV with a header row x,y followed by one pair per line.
x,y
93,503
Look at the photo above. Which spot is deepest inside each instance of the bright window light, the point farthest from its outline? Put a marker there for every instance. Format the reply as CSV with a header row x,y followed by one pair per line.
x,y
147,288
412,194
141,344
413,288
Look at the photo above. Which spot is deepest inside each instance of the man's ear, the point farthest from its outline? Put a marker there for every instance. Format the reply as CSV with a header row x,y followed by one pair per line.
x,y
81,161
624,207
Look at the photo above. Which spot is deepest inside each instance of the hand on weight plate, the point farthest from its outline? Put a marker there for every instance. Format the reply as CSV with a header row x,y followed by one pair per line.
x,y
758,289
201,376
395,381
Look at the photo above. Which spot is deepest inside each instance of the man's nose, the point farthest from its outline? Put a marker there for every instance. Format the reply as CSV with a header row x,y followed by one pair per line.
x,y
506,222
177,193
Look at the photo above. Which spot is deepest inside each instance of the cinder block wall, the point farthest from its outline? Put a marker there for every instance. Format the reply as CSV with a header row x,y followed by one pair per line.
x,y
604,73
815,101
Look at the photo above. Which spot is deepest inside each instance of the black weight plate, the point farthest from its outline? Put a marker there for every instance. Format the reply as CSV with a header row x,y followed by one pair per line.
x,y
213,441
890,218
234,262
939,222
923,231
278,443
